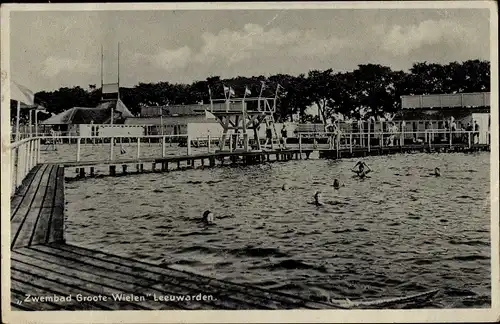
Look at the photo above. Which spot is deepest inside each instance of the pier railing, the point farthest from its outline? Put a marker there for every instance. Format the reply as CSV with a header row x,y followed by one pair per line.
x,y
24,155
430,138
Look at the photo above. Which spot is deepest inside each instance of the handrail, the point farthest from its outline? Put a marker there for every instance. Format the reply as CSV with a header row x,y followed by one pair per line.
x,y
435,131
24,155
20,142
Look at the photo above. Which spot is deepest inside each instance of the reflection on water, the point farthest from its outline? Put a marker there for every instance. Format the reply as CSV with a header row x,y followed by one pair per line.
x,y
398,232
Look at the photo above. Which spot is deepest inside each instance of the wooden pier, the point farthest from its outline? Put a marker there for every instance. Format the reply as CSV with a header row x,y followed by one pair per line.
x,y
389,150
120,167
43,264
166,164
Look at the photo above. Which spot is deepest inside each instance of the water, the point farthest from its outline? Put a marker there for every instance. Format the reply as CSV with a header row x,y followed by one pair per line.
x,y
396,233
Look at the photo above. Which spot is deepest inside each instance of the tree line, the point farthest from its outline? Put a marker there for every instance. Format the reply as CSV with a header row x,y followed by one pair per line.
x,y
369,90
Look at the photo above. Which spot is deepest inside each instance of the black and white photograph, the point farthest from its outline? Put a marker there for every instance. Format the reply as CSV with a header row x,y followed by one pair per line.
x,y
252,157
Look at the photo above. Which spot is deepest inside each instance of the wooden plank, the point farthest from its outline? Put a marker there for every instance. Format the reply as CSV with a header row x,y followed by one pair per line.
x,y
17,299
26,231
85,274
19,217
18,197
41,234
56,224
28,193
51,188
35,285
188,280
27,254
179,287
175,287
41,231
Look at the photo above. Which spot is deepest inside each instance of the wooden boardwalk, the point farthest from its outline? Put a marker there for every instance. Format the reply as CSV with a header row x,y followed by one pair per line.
x,y
44,266
170,163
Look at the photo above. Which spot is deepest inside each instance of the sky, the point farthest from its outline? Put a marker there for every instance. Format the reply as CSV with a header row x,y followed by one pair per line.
x,y
53,49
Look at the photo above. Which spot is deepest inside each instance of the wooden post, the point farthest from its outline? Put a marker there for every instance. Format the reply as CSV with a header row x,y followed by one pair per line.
x,y
78,148
92,171
245,141
163,146
468,133
300,144
111,156
337,144
18,165
350,142
188,145
230,142
209,144
124,168
402,135
138,147
112,170
451,136
82,172
39,144
153,166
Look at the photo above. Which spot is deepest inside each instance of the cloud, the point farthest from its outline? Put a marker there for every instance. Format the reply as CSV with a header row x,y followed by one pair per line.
x,y
251,42
53,66
401,41
166,59
255,41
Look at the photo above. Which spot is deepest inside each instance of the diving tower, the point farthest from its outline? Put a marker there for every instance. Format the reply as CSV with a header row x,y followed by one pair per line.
x,y
242,118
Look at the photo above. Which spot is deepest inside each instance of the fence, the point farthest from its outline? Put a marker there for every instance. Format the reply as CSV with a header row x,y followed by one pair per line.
x,y
431,138
24,154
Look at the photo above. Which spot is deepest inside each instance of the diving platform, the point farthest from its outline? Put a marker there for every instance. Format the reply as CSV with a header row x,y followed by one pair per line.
x,y
242,118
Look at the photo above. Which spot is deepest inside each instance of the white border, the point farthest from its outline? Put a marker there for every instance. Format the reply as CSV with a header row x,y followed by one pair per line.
x,y
292,316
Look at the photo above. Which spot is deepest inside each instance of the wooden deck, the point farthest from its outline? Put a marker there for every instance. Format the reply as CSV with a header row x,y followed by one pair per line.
x,y
44,266
37,208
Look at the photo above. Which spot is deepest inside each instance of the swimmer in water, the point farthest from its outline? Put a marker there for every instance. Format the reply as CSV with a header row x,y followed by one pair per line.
x,y
317,198
360,171
208,218
437,172
337,185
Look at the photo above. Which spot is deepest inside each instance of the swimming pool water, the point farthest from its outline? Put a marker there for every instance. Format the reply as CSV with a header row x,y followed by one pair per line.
x,y
398,232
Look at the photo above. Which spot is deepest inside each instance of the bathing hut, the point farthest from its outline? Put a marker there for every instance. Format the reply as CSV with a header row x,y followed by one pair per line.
x,y
422,113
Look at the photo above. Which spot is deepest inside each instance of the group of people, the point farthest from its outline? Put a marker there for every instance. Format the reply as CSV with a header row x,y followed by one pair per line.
x,y
269,136
360,170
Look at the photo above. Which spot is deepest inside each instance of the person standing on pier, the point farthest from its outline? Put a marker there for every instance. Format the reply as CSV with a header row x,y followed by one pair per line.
x,y
269,136
283,135
476,132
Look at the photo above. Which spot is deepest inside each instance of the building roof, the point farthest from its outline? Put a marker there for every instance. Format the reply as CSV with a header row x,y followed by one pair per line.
x,y
84,115
180,120
177,110
432,101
